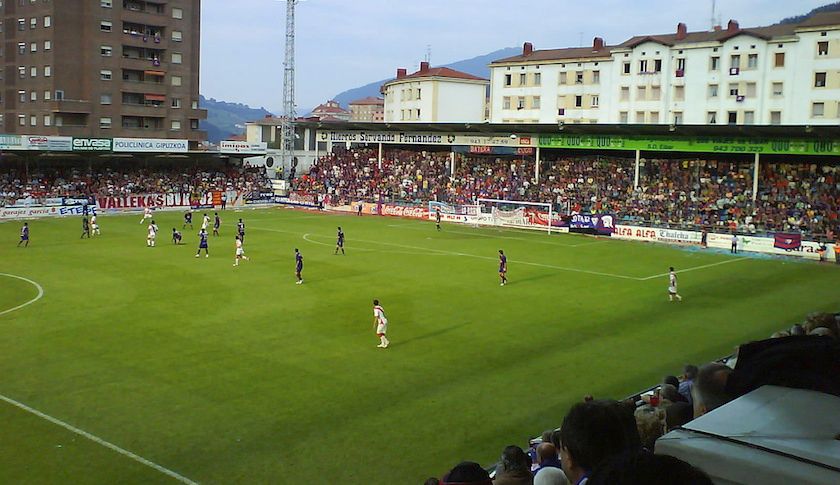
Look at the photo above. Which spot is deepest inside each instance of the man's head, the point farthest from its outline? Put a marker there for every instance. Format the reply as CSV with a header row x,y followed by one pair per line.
x,y
546,451
709,389
296,250
669,392
376,302
515,459
593,431
690,372
671,269
339,228
671,380
467,473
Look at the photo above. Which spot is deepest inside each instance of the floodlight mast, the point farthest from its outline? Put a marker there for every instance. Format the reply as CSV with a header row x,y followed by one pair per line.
x,y
287,122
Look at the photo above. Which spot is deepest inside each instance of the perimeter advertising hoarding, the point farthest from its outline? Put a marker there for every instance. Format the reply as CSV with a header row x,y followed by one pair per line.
x,y
424,138
692,144
151,145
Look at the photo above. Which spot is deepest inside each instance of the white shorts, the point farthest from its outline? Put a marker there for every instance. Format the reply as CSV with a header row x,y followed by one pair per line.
x,y
152,236
240,251
382,328
672,290
147,216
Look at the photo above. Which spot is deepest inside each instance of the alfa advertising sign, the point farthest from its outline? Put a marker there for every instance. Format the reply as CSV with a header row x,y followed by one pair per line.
x,y
150,145
693,144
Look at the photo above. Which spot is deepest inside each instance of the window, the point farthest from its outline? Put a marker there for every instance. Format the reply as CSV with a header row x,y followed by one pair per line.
x,y
176,125
625,93
47,95
535,102
579,77
194,124
657,65
681,64
176,80
643,66
655,92
507,80
106,75
751,90
177,58
177,13
106,51
47,120
21,47
33,23
654,117
778,89
33,96
818,109
33,47
104,99
195,104
749,117
596,77
33,71
578,101
641,93
21,24
47,45
678,117
22,120
679,93
711,117
523,79
822,48
732,117
714,63
595,101
733,89
775,117
106,3
105,123
779,59
819,80
735,61
626,68
176,102
640,116
506,102
752,61
47,21
713,90
537,79
22,72
105,26
59,95
33,120
177,36
562,78
22,96
623,117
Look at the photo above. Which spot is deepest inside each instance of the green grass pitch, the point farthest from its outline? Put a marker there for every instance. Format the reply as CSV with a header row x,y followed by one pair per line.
x,y
237,375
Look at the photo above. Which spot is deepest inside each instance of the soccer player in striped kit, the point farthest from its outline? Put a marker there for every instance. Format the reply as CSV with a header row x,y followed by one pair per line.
x,y
380,322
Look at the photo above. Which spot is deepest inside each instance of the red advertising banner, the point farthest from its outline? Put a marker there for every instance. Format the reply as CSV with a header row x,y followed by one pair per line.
x,y
415,212
155,201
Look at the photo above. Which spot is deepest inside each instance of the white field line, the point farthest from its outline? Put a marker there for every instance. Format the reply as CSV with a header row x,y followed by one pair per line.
x,y
33,283
532,240
308,238
695,268
99,441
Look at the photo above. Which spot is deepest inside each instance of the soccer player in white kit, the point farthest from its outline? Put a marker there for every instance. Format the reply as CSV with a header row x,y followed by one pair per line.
x,y
672,286
204,222
240,252
147,214
380,322
94,226
150,239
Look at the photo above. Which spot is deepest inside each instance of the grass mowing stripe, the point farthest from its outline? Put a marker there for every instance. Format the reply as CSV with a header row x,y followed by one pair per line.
x,y
99,441
36,285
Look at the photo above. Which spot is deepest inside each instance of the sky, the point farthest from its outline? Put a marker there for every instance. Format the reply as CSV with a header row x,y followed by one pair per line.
x,y
342,44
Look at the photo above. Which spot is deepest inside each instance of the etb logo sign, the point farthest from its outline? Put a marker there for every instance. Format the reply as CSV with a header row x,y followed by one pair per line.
x,y
92,144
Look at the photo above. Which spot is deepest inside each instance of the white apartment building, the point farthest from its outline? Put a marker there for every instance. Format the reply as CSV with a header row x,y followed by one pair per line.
x,y
435,95
781,74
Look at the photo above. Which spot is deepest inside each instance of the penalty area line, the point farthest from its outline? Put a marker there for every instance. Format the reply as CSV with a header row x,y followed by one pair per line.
x,y
99,441
695,268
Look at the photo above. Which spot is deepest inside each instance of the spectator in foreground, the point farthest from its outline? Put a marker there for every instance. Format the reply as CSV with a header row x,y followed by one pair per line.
x,y
515,468
467,473
645,468
592,432
689,374
709,391
547,457
550,476
432,481
678,414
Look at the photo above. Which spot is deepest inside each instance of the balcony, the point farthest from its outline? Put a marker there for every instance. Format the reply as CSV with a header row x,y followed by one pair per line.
x,y
144,110
145,87
151,132
148,41
70,106
145,17
200,114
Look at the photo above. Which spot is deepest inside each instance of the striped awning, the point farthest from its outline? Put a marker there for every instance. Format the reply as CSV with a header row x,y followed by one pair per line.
x,y
154,73
154,97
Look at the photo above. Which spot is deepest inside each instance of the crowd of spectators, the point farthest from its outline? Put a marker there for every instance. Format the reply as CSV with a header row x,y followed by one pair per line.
x,y
708,193
613,442
74,182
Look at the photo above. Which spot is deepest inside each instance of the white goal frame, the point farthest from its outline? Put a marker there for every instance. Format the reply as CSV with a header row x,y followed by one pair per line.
x,y
498,222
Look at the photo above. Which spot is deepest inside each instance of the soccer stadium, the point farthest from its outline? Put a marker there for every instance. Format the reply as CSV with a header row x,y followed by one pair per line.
x,y
584,268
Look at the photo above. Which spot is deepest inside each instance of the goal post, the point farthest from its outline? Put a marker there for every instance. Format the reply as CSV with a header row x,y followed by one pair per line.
x,y
517,213
463,213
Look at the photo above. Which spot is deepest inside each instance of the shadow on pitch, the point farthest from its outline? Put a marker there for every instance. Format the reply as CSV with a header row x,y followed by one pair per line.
x,y
428,335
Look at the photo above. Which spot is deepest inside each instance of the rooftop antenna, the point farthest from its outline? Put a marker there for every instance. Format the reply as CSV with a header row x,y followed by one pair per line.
x,y
714,16
429,53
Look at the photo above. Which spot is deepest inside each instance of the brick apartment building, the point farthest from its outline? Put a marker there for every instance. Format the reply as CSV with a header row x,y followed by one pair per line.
x,y
101,68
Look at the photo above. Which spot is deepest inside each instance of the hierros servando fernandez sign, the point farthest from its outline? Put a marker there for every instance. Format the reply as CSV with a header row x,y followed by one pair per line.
x,y
693,144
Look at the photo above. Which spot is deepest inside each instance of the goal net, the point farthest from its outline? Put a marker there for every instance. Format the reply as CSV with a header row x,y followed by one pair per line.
x,y
465,214
516,213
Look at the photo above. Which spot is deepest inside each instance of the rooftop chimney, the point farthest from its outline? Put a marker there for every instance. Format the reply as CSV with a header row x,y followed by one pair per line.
x,y
682,31
401,72
597,44
527,49
424,66
733,26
